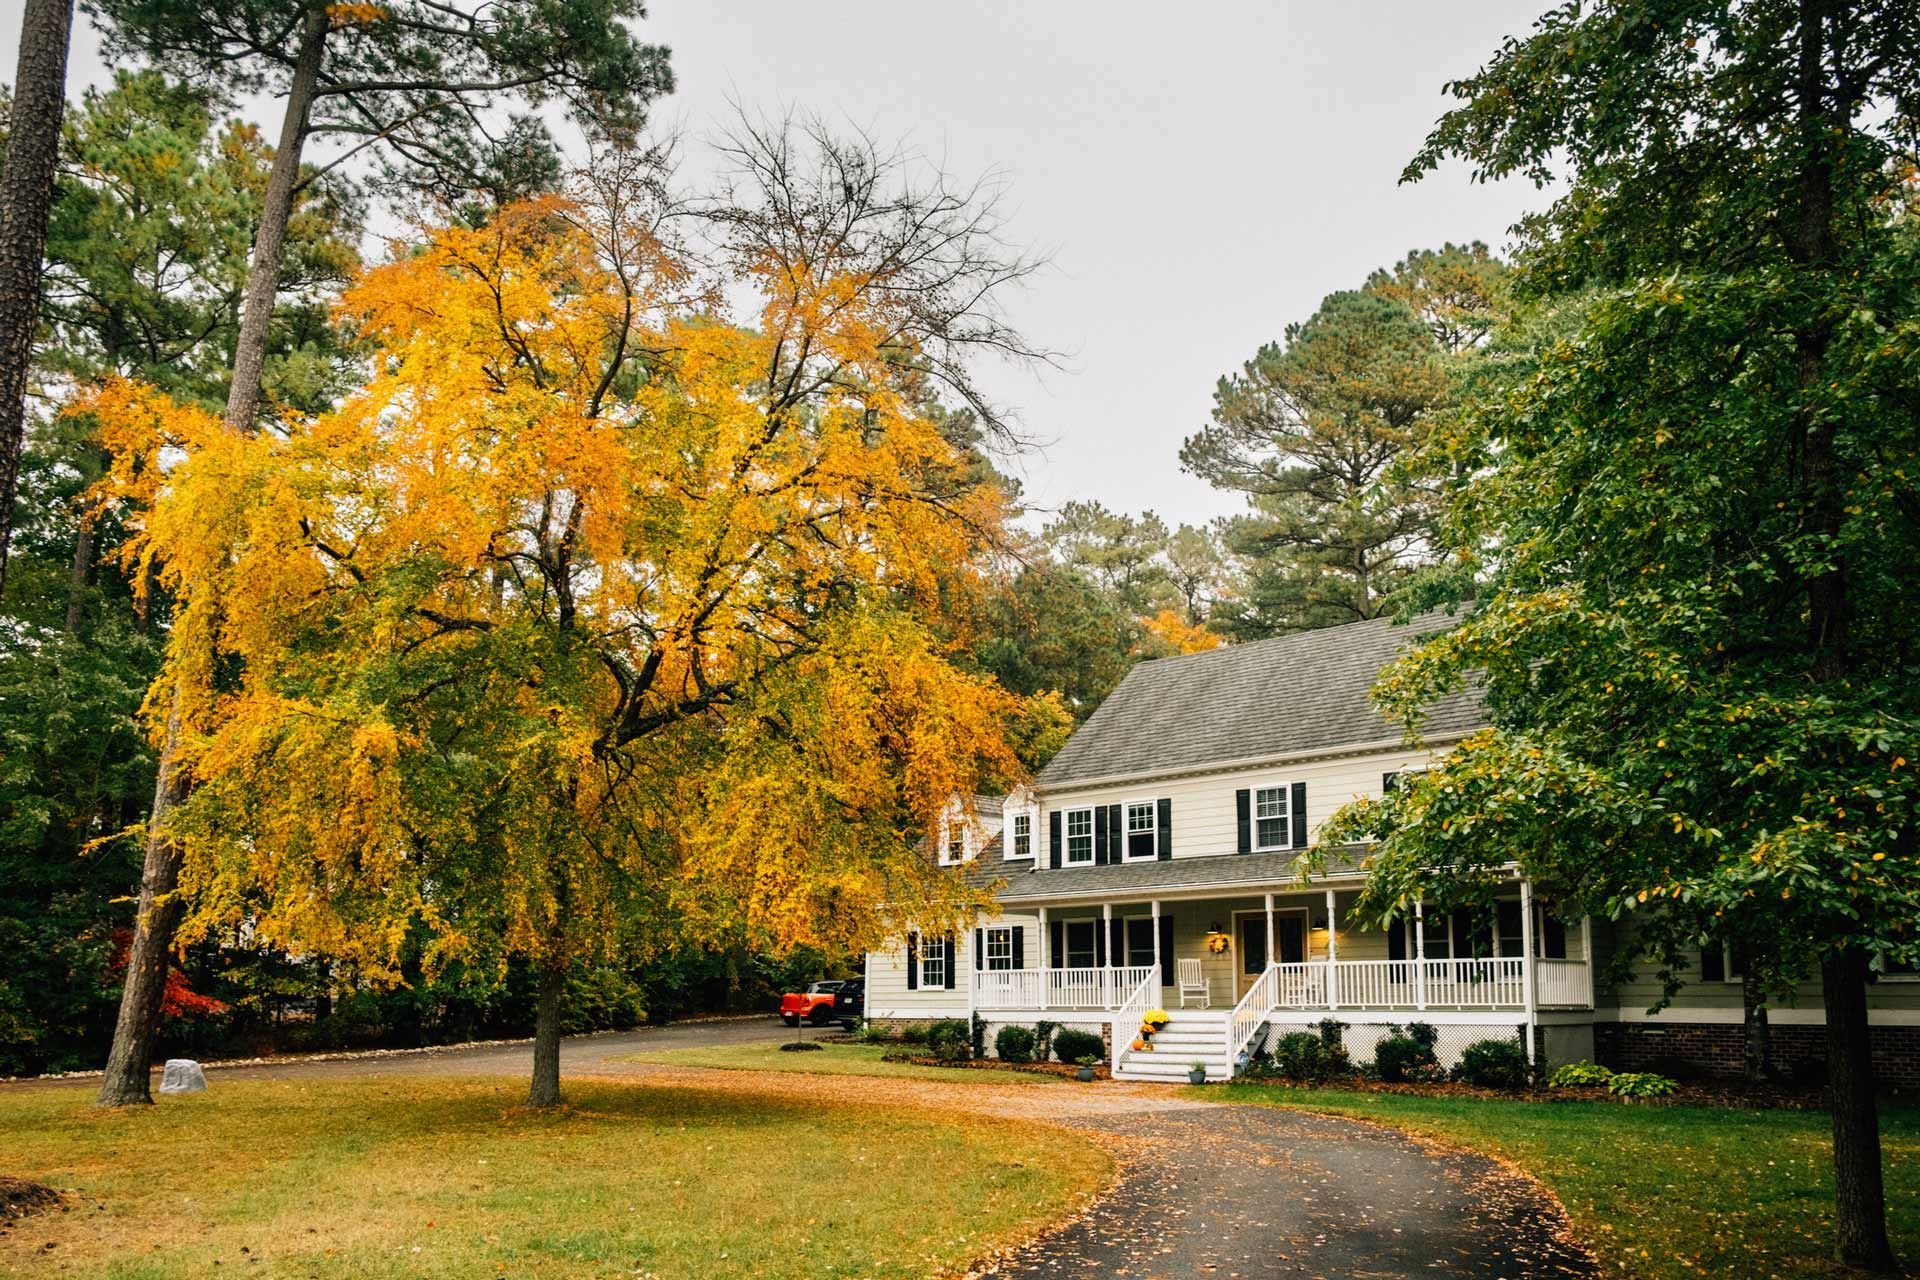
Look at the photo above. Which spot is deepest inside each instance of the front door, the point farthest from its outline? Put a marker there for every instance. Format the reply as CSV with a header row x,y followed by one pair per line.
x,y
1250,949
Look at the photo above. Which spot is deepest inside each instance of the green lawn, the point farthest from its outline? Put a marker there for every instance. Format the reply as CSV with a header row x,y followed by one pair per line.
x,y
830,1060
448,1178
1661,1192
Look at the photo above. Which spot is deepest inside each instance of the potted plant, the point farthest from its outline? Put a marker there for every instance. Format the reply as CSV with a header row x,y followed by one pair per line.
x,y
1197,1073
1087,1064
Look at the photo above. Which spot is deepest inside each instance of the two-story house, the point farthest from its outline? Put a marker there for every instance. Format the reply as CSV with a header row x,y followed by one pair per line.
x,y
1155,862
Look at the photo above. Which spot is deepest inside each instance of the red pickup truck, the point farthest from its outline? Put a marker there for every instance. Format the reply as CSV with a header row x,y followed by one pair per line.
x,y
824,1002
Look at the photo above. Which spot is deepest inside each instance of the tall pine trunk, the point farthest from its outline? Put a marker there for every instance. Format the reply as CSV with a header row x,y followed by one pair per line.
x,y
1859,1192
138,1025
26,195
130,1061
545,1089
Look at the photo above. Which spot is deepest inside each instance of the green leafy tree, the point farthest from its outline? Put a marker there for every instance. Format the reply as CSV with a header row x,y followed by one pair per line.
x,y
1119,553
1698,636
1049,630
1462,291
1313,430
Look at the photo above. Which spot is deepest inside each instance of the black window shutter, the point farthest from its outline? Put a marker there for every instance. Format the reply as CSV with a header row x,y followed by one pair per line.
x,y
1117,948
1099,947
1243,806
1299,807
1100,835
1713,963
1553,937
1397,940
1165,824
1116,833
1053,836
1056,945
1389,782
947,942
1019,946
979,948
913,962
1166,948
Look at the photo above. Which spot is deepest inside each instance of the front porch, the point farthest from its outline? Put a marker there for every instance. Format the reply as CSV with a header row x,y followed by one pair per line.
x,y
1094,958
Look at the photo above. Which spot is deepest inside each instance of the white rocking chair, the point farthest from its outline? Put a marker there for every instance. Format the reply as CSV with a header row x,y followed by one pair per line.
x,y
1193,983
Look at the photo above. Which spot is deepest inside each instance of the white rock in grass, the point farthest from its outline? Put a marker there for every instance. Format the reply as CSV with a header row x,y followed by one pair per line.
x,y
183,1075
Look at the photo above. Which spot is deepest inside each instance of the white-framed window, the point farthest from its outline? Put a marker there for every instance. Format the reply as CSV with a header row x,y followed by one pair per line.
x,y
956,841
1140,940
1273,817
1020,836
1143,829
933,961
1079,836
1720,962
1081,953
1000,947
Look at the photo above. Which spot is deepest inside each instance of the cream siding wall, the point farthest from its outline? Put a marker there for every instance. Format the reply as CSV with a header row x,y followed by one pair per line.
x,y
1205,821
1898,996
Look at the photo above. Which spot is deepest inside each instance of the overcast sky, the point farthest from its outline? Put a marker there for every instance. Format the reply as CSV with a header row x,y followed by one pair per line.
x,y
1198,175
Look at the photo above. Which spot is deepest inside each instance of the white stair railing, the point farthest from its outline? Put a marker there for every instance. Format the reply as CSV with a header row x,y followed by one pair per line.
x,y
1255,1007
1127,1018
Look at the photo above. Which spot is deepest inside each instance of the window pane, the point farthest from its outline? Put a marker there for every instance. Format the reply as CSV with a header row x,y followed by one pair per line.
x,y
1140,817
1000,948
1140,941
1271,829
1022,835
1080,944
1080,835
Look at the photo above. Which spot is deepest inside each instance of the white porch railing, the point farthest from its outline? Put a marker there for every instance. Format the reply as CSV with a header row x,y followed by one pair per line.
x,y
1262,998
1059,988
1129,1014
1563,984
1488,984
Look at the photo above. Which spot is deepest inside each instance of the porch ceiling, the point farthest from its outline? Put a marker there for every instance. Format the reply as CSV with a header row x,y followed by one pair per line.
x,y
1254,872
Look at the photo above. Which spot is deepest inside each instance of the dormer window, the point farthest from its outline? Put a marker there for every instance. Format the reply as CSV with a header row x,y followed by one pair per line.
x,y
1020,837
956,842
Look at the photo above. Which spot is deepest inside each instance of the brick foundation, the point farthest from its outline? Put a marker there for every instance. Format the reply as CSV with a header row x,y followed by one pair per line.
x,y
1719,1049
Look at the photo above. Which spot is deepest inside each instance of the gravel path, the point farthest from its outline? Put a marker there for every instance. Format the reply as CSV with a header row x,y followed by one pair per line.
x,y
1203,1190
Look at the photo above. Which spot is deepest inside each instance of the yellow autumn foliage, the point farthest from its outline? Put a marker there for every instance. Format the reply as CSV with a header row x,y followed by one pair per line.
x,y
589,623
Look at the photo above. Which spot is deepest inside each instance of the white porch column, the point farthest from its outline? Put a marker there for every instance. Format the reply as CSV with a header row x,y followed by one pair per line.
x,y
1270,956
1526,960
1586,954
1333,954
1420,953
1045,981
1106,945
1159,961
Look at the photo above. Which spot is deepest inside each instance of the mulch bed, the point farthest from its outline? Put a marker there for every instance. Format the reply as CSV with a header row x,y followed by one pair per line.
x,y
18,1198
1064,1069
1737,1095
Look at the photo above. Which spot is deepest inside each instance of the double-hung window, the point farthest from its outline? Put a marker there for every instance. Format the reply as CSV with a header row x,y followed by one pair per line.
x,y
1080,943
1021,844
933,961
1079,835
956,841
1000,948
1272,820
1142,830
1140,941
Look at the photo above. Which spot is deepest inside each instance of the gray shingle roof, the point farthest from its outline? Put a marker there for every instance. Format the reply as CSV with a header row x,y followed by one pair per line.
x,y
1253,869
1292,694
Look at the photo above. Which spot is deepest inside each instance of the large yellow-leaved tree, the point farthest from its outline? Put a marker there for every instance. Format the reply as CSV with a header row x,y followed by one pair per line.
x,y
594,621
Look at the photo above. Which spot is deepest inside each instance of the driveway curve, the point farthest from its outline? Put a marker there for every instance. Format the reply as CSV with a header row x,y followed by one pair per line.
x,y
1231,1192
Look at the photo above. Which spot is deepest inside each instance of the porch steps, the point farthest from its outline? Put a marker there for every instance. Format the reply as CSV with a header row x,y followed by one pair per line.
x,y
1187,1039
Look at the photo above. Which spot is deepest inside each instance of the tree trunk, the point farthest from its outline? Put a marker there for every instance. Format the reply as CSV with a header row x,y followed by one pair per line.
x,y
79,576
26,194
138,1026
139,1022
1758,1038
1861,1203
270,241
545,1090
